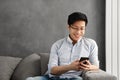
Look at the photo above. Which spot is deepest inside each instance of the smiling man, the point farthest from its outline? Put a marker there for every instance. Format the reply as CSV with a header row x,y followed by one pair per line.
x,y
65,55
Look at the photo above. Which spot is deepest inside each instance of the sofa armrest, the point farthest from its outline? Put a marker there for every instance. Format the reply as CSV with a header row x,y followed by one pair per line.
x,y
97,75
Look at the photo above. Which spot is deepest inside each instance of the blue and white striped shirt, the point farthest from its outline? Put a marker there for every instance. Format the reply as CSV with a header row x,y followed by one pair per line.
x,y
63,52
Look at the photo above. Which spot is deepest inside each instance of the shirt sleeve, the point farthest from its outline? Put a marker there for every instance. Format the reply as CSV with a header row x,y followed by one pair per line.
x,y
53,60
94,54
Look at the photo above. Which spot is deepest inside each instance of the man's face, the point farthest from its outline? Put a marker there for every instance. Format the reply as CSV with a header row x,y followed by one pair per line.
x,y
77,30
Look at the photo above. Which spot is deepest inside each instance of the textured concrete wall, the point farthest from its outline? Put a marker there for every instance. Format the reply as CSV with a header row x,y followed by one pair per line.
x,y
28,26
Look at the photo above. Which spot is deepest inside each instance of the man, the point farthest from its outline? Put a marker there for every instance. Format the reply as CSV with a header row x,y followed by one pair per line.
x,y
65,54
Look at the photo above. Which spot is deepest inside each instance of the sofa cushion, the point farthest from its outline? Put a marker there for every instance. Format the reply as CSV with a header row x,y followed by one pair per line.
x,y
44,62
28,67
7,66
98,75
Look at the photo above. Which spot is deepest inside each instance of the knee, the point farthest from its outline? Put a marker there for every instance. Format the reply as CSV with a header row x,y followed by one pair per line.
x,y
29,78
37,78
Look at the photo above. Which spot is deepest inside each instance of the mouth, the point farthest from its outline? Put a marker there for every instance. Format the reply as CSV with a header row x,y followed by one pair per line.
x,y
76,36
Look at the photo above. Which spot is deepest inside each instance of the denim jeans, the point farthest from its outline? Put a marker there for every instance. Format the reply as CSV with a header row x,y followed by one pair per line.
x,y
46,77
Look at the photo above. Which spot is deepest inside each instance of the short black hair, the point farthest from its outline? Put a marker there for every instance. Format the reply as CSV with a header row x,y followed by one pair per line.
x,y
76,16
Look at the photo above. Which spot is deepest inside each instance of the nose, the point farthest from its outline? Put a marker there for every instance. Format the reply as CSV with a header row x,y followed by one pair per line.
x,y
78,31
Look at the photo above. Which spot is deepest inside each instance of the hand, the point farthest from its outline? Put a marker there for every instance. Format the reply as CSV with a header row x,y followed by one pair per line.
x,y
87,65
75,65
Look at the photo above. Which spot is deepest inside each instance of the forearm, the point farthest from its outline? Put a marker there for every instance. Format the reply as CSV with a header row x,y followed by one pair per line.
x,y
58,70
93,67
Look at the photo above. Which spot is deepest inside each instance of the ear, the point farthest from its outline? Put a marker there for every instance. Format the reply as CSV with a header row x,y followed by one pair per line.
x,y
68,27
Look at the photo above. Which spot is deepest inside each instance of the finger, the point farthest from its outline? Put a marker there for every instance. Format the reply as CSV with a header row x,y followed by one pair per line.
x,y
84,68
88,62
84,65
77,60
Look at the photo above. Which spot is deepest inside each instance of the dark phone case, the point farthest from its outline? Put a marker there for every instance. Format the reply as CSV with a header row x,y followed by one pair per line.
x,y
84,58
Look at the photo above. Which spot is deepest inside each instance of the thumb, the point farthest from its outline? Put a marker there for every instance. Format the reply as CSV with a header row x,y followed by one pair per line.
x,y
77,60
88,62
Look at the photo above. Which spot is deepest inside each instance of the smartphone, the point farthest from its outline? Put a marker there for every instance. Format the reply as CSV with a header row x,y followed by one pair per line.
x,y
84,58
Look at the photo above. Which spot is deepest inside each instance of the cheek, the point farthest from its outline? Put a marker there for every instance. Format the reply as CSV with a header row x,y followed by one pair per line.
x,y
82,33
71,32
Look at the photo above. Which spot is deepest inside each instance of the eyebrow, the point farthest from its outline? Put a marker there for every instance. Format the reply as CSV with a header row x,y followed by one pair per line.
x,y
76,26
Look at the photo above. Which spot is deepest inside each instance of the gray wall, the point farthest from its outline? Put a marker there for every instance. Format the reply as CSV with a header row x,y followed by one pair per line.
x,y
28,26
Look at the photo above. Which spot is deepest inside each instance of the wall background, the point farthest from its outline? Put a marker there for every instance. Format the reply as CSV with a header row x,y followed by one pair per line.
x,y
28,26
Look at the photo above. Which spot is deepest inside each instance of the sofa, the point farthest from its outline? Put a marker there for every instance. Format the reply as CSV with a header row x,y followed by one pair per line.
x,y
15,68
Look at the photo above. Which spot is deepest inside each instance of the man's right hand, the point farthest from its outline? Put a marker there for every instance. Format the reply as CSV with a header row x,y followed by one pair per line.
x,y
75,65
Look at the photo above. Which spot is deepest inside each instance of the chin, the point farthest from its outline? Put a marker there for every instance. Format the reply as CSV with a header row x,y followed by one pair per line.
x,y
76,40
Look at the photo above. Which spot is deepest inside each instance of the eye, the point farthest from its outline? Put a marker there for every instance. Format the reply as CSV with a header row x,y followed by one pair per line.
x,y
82,29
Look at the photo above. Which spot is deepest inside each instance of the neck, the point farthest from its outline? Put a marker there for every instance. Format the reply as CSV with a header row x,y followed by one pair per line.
x,y
74,42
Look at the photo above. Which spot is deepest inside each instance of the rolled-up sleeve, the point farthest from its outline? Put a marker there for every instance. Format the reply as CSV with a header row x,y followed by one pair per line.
x,y
94,54
53,60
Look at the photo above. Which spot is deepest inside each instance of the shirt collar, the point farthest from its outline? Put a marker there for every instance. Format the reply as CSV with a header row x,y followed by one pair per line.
x,y
70,40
